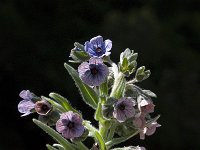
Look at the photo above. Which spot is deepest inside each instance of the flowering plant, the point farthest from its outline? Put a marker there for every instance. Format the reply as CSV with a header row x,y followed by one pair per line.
x,y
122,108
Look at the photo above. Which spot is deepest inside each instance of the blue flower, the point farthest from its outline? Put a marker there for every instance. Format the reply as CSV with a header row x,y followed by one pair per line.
x,y
70,125
31,103
93,73
97,47
26,105
124,109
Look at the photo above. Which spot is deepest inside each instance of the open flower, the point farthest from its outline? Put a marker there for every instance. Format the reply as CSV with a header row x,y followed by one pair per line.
x,y
70,125
149,130
97,47
26,105
93,73
124,109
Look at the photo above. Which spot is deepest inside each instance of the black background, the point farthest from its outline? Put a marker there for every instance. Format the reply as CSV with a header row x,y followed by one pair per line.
x,y
36,37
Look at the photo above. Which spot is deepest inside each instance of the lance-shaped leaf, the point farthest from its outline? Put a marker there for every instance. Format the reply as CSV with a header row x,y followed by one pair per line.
x,y
60,147
130,148
63,102
100,141
89,95
49,147
55,135
54,104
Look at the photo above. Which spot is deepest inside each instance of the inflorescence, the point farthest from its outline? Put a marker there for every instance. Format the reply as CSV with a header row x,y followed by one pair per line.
x,y
122,108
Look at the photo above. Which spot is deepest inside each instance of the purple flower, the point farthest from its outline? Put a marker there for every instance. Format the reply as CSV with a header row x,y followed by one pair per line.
x,y
70,125
124,109
149,130
93,73
97,47
139,122
31,103
26,106
145,105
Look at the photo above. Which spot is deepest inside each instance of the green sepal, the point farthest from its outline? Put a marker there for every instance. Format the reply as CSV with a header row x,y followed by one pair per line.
x,y
78,54
89,95
141,74
82,137
55,135
128,62
50,119
63,102
107,108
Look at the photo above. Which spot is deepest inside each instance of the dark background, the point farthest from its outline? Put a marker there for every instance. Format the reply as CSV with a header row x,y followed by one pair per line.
x,y
36,37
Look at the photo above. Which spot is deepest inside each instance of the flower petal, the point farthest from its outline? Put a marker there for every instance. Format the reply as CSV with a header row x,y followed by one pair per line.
x,y
108,45
25,107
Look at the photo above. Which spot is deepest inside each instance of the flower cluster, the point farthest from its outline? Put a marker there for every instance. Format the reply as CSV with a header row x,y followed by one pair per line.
x,y
121,107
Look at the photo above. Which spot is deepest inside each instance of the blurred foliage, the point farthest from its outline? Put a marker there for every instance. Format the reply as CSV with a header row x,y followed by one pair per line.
x,y
36,38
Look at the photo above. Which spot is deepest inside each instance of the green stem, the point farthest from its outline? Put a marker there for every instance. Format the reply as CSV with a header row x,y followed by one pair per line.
x,y
115,141
112,131
104,128
119,86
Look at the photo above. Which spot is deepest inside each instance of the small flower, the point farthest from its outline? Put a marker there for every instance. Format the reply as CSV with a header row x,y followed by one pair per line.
x,y
149,130
97,47
93,73
124,109
42,107
31,103
26,106
70,125
139,122
145,105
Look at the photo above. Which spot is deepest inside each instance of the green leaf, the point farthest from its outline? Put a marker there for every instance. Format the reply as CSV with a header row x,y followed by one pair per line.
x,y
89,95
127,148
55,135
60,147
100,141
63,102
49,147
